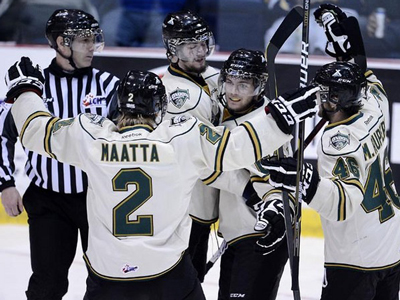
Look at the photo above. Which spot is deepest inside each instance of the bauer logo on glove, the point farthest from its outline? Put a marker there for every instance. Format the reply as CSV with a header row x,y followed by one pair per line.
x,y
293,107
23,77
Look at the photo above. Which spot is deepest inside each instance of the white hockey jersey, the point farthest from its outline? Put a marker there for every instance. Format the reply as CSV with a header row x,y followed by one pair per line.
x,y
189,96
140,180
356,198
236,219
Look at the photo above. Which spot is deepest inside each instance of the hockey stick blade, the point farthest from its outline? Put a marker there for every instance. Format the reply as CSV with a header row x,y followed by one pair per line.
x,y
352,28
289,24
216,256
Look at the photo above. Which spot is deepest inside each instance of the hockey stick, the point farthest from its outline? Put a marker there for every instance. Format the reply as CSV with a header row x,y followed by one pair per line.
x,y
287,27
312,135
300,153
216,256
353,31
224,244
292,20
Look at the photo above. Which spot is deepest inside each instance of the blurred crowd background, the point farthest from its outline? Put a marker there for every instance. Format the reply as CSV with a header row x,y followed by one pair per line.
x,y
235,23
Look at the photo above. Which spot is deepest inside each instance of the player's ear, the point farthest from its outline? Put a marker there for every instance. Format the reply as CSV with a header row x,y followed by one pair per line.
x,y
61,46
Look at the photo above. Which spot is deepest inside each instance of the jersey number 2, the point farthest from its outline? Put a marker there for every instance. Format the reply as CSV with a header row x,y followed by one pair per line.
x,y
122,225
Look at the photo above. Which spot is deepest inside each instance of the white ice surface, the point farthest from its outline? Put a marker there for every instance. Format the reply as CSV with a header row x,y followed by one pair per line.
x,y
15,269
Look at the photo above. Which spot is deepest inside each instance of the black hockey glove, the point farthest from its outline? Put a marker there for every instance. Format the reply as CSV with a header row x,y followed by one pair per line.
x,y
271,220
23,77
283,174
251,197
327,7
293,107
331,18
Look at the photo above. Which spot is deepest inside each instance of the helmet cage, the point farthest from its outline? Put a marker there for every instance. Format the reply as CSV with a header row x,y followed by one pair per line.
x,y
244,64
184,27
72,23
347,90
98,38
208,37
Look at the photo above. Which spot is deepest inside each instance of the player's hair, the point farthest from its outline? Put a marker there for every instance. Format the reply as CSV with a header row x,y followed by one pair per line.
x,y
126,119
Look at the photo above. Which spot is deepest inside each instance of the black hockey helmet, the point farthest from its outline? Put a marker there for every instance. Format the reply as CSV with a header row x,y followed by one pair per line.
x,y
186,27
342,83
142,93
247,64
70,23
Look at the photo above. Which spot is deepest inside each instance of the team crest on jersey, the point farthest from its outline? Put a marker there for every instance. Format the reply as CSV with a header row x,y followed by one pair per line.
x,y
127,268
91,100
179,97
95,119
340,140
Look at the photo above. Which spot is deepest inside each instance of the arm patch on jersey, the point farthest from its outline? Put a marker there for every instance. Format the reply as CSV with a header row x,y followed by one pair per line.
x,y
62,123
176,121
95,119
213,137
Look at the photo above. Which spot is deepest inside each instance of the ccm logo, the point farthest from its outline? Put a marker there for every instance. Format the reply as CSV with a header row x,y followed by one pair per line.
x,y
237,295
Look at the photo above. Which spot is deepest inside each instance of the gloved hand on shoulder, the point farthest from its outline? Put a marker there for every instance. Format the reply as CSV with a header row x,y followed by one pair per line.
x,y
23,77
293,107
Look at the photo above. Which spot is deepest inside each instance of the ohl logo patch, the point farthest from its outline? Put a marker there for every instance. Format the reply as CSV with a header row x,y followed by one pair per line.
x,y
91,100
340,140
127,268
179,97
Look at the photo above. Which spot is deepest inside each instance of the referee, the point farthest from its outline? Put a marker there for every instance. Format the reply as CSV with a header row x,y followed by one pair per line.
x,y
55,200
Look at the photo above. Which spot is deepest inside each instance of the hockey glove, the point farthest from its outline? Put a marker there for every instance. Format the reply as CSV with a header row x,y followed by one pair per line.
x,y
23,77
283,174
271,220
251,197
293,107
331,18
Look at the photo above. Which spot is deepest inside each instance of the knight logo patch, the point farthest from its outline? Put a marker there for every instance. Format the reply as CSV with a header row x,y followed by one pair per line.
x,y
179,97
340,140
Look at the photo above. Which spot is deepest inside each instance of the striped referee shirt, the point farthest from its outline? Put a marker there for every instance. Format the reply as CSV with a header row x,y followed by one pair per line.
x,y
66,95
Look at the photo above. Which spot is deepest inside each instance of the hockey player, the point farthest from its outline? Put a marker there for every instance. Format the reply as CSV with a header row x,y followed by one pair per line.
x,y
55,200
353,189
191,87
141,174
244,272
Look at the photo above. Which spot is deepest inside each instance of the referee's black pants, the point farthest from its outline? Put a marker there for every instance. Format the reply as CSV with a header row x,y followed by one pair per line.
x,y
54,222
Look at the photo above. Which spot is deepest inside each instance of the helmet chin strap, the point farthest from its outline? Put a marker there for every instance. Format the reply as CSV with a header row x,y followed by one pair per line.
x,y
70,59
327,113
